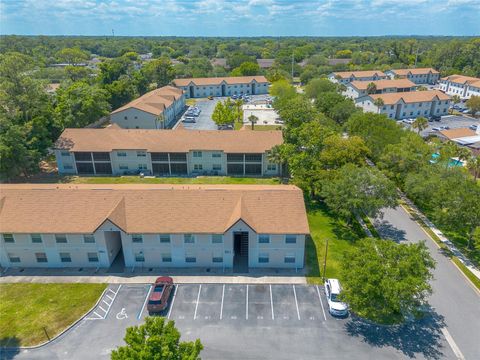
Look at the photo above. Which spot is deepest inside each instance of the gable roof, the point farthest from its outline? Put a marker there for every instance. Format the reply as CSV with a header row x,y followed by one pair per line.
x,y
416,71
462,79
155,101
410,96
457,133
109,139
358,74
218,80
383,84
140,208
265,63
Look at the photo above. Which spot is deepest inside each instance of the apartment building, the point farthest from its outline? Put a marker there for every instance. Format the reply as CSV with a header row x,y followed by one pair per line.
x,y
62,225
404,105
156,109
418,76
114,151
222,86
463,86
357,89
346,77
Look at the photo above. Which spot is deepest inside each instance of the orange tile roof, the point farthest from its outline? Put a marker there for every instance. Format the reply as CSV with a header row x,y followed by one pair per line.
x,y
462,79
155,101
384,84
410,96
109,139
81,209
218,80
368,73
416,71
457,133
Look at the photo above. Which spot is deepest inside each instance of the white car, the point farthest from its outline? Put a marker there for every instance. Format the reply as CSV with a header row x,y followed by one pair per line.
x,y
332,291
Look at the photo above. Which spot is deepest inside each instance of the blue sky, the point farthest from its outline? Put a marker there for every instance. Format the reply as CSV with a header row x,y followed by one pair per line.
x,y
240,18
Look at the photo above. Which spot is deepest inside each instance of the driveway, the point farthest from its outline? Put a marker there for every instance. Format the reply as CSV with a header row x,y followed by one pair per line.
x,y
241,321
453,298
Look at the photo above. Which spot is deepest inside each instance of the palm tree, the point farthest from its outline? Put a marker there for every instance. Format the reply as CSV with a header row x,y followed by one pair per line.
x,y
455,100
420,124
238,109
378,103
253,120
473,165
463,153
371,88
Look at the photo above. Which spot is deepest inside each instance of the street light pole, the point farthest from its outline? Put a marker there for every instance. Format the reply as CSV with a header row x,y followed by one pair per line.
x,y
325,260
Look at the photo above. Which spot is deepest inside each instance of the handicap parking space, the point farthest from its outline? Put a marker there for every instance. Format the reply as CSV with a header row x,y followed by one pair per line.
x,y
130,303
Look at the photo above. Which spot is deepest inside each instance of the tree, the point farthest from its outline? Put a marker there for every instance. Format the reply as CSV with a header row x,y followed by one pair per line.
x,y
159,71
72,56
357,190
156,339
338,151
378,102
224,113
318,86
253,120
473,104
371,88
420,124
238,104
246,69
283,91
473,165
81,104
384,281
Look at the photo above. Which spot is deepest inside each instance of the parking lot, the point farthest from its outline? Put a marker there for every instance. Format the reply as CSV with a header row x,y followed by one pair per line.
x,y
204,120
239,321
452,121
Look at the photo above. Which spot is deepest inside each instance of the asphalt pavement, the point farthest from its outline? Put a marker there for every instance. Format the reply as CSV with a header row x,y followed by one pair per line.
x,y
455,302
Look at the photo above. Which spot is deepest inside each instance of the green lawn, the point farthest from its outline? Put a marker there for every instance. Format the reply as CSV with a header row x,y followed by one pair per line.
x,y
173,180
323,226
28,310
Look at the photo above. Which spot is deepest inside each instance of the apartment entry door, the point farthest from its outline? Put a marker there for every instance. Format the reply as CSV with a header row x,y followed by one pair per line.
x,y
240,252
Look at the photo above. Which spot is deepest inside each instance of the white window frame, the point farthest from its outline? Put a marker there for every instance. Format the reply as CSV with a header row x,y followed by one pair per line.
x,y
36,236
11,238
189,236
214,238
262,241
137,238
61,236
91,259
289,241
88,236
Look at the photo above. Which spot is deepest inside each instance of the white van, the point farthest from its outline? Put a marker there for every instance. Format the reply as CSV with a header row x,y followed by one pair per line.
x,y
333,290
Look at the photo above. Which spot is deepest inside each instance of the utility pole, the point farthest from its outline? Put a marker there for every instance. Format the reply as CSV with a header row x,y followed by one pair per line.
x,y
416,57
325,260
293,60
113,33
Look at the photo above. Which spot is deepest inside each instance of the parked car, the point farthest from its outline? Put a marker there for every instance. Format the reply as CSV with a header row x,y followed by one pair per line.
x,y
436,129
158,299
436,117
333,290
234,97
210,97
466,111
189,119
473,127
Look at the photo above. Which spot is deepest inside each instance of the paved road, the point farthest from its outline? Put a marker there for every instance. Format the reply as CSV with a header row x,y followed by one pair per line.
x,y
454,299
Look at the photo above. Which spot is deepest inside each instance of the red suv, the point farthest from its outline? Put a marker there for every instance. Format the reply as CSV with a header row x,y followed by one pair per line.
x,y
158,300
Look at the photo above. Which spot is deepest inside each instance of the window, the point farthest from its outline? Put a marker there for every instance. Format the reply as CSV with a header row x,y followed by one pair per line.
x,y
36,238
68,167
217,239
142,166
197,167
13,258
165,238
65,257
197,154
217,167
121,154
263,239
190,259
137,238
61,239
290,239
92,257
263,258
101,156
253,157
216,155
141,153
65,153
8,238
289,259
41,257
271,167
123,167
125,117
189,239
139,257
166,258
217,259
89,239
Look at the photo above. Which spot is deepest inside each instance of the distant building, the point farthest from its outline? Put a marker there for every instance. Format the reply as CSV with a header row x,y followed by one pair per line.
x,y
222,62
222,86
418,76
357,89
345,77
60,225
156,109
333,62
265,63
463,86
404,105
114,151
52,88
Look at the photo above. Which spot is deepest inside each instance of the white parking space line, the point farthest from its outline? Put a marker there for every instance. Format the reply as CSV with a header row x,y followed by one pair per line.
x,y
108,296
144,302
106,302
321,303
100,316
198,298
173,301
102,309
453,345
296,302
221,306
271,302
246,311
